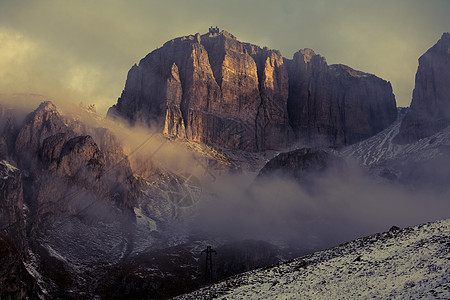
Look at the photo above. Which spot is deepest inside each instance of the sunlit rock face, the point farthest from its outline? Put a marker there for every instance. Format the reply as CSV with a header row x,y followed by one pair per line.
x,y
430,106
216,90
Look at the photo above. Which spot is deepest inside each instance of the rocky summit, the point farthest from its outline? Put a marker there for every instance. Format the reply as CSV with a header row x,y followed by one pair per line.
x,y
430,106
219,91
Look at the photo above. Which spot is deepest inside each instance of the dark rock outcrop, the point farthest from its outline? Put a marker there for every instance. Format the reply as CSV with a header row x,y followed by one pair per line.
x,y
430,106
15,281
216,90
45,121
243,256
12,205
302,165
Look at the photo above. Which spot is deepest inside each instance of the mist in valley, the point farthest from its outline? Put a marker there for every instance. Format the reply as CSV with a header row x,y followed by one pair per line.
x,y
337,207
332,208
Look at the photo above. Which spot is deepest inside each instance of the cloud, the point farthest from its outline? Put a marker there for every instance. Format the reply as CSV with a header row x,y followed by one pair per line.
x,y
334,209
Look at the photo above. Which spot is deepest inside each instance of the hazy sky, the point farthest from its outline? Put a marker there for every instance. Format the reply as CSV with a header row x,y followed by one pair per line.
x,y
82,50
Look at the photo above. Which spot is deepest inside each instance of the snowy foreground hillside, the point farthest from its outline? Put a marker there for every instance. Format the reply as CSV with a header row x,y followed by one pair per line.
x,y
411,263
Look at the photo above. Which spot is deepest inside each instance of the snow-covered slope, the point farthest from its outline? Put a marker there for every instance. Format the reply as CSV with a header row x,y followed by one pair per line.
x,y
412,263
381,148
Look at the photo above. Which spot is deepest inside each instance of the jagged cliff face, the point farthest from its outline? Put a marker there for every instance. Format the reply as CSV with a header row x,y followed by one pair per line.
x,y
15,281
212,89
430,106
70,204
336,105
63,165
216,90
11,204
62,182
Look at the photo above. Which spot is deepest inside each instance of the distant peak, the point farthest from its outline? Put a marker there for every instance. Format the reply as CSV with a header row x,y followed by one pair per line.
x,y
308,51
445,39
46,106
307,54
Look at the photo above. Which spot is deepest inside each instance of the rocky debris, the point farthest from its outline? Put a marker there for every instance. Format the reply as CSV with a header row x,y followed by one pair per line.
x,y
430,107
216,90
302,165
336,105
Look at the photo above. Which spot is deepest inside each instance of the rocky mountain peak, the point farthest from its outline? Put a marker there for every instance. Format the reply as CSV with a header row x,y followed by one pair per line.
x,y
430,105
308,54
216,90
45,121
445,40
46,106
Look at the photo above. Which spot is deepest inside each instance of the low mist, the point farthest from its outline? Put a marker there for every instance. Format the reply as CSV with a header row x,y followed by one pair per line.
x,y
336,208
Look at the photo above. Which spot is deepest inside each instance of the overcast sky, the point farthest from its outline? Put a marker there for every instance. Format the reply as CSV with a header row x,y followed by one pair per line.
x,y
81,51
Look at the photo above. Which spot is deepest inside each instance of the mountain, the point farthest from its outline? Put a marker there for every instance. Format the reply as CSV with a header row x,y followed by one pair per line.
x,y
430,106
408,263
90,208
77,213
335,104
216,90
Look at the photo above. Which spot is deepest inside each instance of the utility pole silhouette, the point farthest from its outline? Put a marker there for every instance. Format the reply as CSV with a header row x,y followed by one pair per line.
x,y
208,267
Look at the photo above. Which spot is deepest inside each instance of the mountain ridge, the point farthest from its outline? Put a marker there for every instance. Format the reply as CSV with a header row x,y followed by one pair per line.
x,y
217,90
